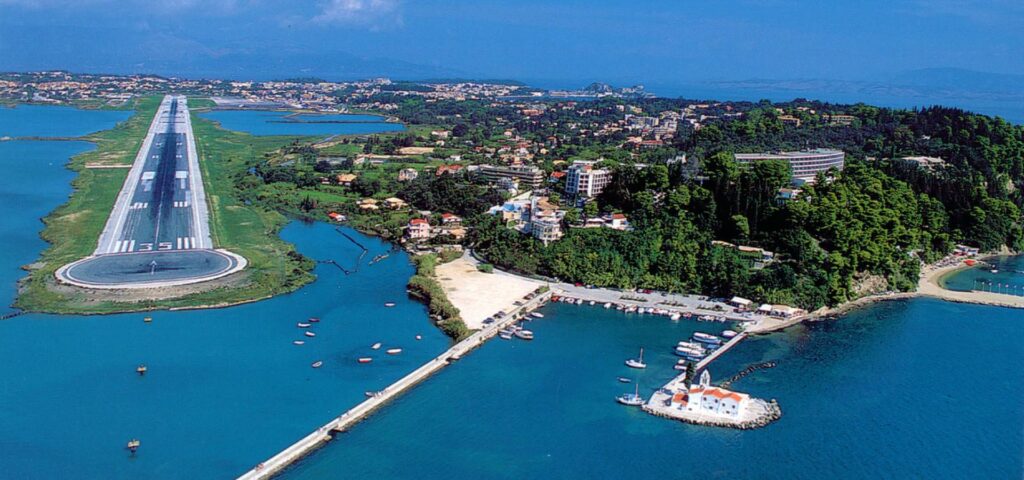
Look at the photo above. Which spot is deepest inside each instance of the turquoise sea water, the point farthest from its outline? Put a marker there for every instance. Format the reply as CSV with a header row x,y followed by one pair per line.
x,y
268,122
54,121
1008,279
225,388
909,389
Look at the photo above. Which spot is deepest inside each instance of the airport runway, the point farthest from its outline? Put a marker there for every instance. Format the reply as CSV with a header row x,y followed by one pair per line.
x,y
157,233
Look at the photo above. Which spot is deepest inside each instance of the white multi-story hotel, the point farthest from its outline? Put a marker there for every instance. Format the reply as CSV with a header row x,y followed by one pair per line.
x,y
805,165
582,180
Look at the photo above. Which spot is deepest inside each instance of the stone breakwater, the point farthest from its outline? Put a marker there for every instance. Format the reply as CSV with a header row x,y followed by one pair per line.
x,y
769,412
747,371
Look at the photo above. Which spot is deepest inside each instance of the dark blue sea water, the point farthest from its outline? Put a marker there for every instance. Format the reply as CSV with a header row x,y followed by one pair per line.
x,y
909,389
1008,278
268,122
225,388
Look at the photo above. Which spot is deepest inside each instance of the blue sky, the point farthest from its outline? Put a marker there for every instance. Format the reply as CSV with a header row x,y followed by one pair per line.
x,y
615,41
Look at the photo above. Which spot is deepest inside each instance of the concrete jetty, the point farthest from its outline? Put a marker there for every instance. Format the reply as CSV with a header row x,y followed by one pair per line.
x,y
718,353
323,434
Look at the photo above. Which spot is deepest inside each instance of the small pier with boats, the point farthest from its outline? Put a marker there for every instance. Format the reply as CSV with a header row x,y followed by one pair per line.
x,y
325,433
704,404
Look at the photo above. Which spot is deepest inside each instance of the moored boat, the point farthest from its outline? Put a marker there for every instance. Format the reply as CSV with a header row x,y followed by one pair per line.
x,y
728,333
625,380
365,360
310,334
393,351
536,315
299,342
303,325
524,334
317,364
389,304
631,399
376,346
706,338
505,335
314,319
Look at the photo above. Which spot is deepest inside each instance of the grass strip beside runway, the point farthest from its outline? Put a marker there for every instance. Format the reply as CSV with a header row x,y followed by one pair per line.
x,y
73,229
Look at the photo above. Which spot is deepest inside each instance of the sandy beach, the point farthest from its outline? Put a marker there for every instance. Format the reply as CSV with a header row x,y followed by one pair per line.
x,y
479,295
930,286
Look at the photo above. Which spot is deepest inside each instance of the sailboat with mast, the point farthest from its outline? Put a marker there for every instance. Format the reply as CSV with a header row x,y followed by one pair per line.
x,y
637,362
631,399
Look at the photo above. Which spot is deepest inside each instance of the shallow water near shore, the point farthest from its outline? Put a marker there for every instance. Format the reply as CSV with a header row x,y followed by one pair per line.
x,y
915,389
1008,279
272,122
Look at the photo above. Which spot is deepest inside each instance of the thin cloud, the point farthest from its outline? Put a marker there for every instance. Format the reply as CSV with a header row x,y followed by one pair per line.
x,y
358,12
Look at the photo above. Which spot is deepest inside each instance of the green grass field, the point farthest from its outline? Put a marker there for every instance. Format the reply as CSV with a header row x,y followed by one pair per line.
x,y
74,228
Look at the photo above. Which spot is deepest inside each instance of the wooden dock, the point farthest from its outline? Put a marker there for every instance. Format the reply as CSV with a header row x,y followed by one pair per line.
x,y
321,435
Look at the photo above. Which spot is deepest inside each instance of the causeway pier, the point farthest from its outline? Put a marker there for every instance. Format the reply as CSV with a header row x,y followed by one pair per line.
x,y
324,433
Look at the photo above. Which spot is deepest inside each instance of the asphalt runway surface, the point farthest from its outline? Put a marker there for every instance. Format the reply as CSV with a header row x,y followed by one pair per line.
x,y
152,268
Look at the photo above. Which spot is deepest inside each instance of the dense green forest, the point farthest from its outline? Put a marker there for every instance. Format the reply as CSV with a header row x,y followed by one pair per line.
x,y
880,217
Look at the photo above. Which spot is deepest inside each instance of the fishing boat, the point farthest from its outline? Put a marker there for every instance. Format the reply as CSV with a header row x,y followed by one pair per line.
x,y
994,270
693,345
729,333
365,360
141,369
133,445
536,315
419,337
591,303
393,351
389,304
706,338
147,319
303,325
299,342
524,334
310,334
631,399
608,305
675,316
314,320
376,346
637,362
625,380
317,364
505,335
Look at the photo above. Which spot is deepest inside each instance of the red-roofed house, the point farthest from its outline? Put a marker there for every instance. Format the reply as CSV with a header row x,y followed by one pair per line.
x,y
452,169
417,229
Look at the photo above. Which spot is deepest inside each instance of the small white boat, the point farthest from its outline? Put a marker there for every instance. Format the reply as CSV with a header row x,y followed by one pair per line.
x,y
706,338
389,304
505,335
314,319
536,315
625,380
376,346
994,270
631,399
419,337
365,360
310,334
524,334
729,333
303,325
608,305
675,316
317,364
299,342
591,303
637,362
393,351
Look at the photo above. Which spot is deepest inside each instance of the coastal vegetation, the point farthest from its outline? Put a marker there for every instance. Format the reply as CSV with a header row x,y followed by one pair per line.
x,y
425,286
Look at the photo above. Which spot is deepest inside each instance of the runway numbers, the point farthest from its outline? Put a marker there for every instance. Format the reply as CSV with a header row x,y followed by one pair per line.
x,y
164,246
145,247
